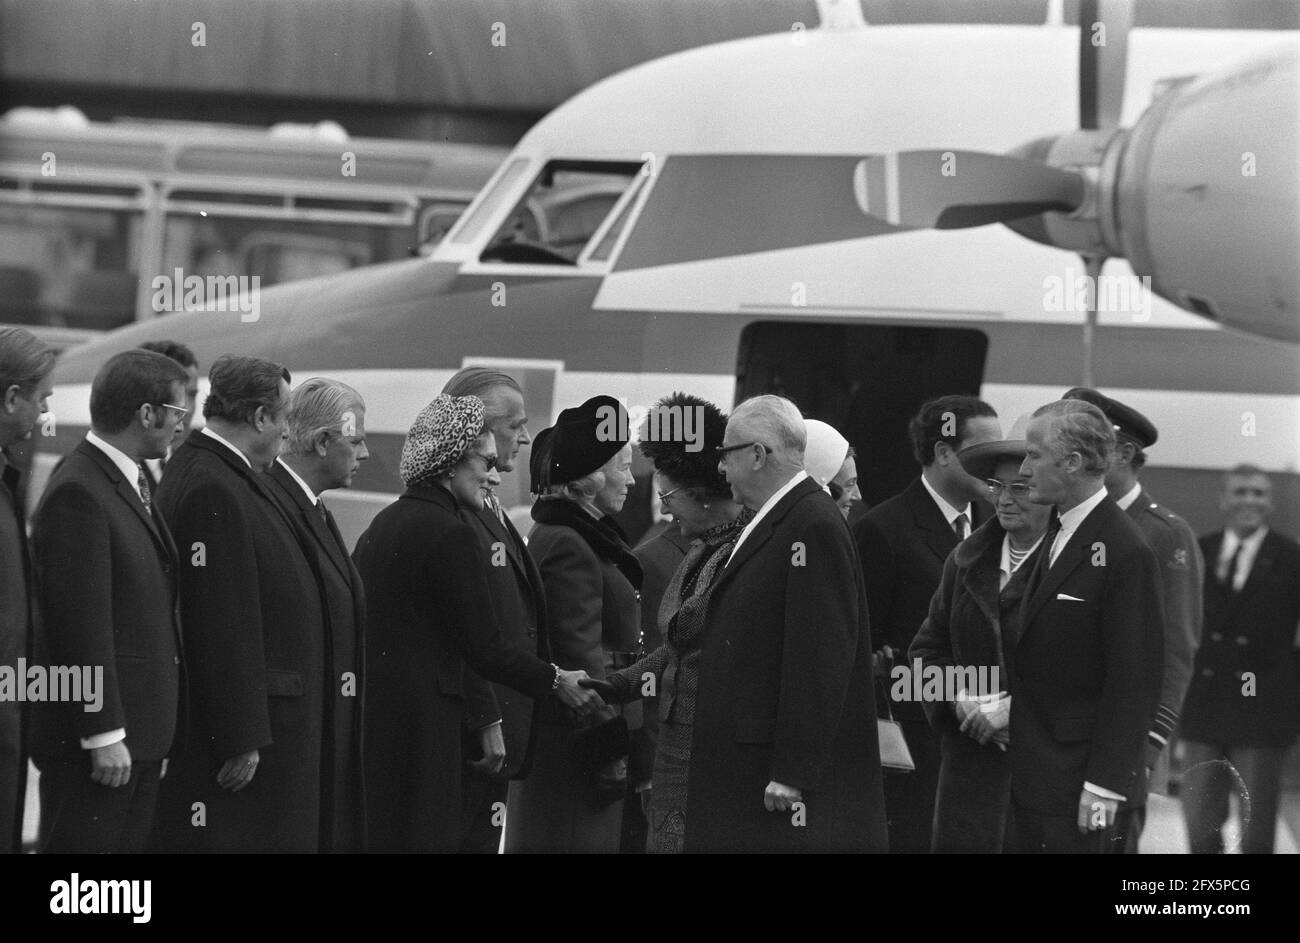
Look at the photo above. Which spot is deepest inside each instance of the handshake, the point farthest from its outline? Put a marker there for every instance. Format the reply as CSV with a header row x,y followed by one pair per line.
x,y
578,692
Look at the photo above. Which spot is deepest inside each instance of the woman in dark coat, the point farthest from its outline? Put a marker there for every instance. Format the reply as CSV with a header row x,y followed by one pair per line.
x,y
428,612
572,800
699,499
975,606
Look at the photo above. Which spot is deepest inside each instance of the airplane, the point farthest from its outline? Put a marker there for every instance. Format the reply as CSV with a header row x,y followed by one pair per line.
x,y
859,218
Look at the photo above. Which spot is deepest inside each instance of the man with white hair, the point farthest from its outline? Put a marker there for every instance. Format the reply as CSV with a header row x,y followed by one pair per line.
x,y
1086,662
325,445
784,756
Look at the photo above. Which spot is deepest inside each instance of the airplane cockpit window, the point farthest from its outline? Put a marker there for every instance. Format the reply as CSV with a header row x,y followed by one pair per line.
x,y
564,209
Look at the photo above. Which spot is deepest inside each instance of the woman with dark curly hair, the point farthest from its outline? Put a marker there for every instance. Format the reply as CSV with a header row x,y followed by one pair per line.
x,y
694,492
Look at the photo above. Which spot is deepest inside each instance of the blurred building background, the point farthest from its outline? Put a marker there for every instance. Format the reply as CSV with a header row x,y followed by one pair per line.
x,y
425,69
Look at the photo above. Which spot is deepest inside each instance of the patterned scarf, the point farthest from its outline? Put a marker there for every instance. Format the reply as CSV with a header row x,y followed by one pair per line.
x,y
691,584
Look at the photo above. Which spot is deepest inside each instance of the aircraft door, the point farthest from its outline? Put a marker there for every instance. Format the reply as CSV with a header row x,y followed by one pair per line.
x,y
865,380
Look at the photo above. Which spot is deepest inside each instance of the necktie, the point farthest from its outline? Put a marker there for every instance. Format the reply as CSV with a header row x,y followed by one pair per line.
x,y
1044,559
959,527
142,482
1228,577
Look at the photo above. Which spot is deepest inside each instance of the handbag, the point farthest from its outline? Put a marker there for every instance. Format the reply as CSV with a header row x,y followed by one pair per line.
x,y
895,757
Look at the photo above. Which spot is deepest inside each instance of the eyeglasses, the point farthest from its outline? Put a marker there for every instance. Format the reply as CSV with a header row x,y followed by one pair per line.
x,y
489,460
665,495
722,450
1018,489
180,409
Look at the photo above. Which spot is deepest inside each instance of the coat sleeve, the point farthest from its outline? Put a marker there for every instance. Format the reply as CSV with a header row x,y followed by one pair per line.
x,y
819,646
1179,559
221,611
458,567
74,566
1133,654
933,643
574,600
481,707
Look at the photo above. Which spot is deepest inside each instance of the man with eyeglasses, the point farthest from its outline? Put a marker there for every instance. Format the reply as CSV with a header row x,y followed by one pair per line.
x,y
784,754
153,467
107,582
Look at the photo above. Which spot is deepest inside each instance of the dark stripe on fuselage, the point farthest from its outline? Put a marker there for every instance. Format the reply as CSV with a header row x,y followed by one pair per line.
x,y
419,315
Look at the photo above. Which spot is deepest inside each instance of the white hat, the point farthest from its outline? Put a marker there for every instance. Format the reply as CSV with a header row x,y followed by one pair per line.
x,y
825,453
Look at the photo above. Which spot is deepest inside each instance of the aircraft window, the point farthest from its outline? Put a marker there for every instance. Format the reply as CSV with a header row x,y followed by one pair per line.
x,y
475,221
605,247
565,207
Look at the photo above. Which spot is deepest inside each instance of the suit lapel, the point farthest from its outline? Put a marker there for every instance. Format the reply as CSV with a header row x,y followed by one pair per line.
x,y
1076,550
1263,565
763,530
509,537
939,536
310,516
127,493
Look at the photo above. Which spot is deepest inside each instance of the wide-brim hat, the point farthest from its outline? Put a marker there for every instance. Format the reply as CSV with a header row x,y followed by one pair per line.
x,y
582,440
982,459
440,436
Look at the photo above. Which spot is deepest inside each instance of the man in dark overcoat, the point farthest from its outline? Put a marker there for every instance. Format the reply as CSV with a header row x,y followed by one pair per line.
x,y
326,445
25,364
248,777
785,756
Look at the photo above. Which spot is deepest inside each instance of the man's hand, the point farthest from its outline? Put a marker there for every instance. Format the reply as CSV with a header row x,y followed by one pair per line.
x,y
237,772
494,751
111,765
571,694
778,797
882,662
1090,804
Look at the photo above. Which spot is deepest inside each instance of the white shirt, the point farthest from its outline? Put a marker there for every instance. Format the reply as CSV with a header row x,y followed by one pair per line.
x,y
128,466
1249,550
1005,569
949,512
302,484
1072,518
131,472
1127,501
767,506
207,431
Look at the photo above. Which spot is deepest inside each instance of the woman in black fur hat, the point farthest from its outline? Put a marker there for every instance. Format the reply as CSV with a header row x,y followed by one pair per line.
x,y
572,800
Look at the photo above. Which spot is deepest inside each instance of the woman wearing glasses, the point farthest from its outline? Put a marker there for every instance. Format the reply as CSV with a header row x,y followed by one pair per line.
x,y
581,468
698,497
975,607
428,612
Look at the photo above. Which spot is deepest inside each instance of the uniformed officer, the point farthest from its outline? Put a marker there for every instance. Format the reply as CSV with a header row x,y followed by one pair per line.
x,y
1180,565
